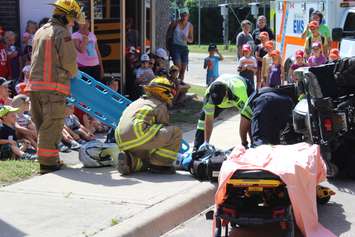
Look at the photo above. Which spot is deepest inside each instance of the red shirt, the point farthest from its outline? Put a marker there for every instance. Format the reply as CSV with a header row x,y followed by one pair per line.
x,y
80,114
4,63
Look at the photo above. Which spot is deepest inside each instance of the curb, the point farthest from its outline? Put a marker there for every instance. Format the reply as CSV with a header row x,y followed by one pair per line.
x,y
165,216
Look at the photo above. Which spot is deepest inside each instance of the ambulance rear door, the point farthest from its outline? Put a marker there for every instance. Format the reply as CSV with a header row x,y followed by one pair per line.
x,y
292,18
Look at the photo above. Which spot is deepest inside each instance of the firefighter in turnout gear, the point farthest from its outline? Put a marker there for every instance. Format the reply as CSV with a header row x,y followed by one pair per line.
x,y
53,64
144,137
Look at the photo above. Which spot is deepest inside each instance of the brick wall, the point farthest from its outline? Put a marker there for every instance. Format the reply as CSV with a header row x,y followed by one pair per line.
x,y
9,14
162,21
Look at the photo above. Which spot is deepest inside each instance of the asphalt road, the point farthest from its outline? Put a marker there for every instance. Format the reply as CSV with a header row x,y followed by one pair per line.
x,y
338,215
197,75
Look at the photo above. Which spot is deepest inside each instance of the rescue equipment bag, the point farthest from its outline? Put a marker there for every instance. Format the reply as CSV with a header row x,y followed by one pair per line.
x,y
98,154
207,162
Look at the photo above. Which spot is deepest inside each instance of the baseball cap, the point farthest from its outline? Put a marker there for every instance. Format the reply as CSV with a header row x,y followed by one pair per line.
x,y
217,92
184,10
269,44
313,24
246,47
18,100
5,109
264,34
145,58
299,53
316,45
275,52
212,46
4,82
161,53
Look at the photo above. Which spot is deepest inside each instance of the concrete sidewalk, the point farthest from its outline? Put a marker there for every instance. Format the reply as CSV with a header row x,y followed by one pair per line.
x,y
99,202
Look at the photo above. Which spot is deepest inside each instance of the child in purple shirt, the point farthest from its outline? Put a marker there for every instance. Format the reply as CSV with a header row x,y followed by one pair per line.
x,y
317,57
275,70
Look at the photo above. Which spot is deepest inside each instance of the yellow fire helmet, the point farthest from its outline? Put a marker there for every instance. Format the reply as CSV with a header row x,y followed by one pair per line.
x,y
161,88
71,8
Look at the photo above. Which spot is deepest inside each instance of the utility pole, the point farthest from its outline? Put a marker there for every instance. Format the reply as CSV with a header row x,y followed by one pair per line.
x,y
199,23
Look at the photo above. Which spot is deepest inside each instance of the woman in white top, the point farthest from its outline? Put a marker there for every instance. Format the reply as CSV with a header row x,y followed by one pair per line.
x,y
183,34
89,57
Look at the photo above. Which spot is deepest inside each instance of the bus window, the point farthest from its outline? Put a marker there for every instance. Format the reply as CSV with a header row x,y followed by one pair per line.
x,y
350,22
107,9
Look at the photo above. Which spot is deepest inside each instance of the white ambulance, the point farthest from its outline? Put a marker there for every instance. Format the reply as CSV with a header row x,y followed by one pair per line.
x,y
290,18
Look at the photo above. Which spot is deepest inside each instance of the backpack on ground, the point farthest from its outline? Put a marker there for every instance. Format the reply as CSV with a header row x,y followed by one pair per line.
x,y
98,154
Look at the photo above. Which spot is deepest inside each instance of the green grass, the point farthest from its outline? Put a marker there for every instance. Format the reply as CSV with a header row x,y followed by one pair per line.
x,y
198,90
16,170
203,48
186,116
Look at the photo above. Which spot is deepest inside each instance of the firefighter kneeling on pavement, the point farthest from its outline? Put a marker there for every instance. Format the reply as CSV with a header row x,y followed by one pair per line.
x,y
144,137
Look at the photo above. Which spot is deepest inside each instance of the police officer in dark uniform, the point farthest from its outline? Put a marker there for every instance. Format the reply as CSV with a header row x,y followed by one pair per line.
x,y
272,116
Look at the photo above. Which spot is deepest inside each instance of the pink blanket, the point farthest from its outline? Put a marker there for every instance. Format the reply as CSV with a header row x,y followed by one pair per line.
x,y
300,166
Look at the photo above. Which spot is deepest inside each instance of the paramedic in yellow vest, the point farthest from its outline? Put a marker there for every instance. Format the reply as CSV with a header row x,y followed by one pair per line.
x,y
53,64
146,140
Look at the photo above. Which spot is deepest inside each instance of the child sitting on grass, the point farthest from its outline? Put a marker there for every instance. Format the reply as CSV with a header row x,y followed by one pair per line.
x,y
25,128
73,126
9,147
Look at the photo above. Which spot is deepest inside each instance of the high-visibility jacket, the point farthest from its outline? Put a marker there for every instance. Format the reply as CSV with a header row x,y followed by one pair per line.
x,y
53,59
140,122
238,88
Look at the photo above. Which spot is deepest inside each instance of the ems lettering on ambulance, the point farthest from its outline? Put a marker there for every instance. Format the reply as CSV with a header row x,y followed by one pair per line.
x,y
298,24
290,23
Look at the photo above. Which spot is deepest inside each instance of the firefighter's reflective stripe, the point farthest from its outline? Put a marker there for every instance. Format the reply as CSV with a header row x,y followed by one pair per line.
x,y
47,153
48,86
47,66
139,121
148,135
166,153
201,125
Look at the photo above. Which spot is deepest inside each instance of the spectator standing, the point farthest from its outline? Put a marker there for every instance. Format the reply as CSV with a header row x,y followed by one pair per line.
x,y
244,37
261,26
260,52
27,38
315,37
323,28
247,65
13,55
276,70
89,57
299,55
266,63
4,62
317,57
182,35
211,63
